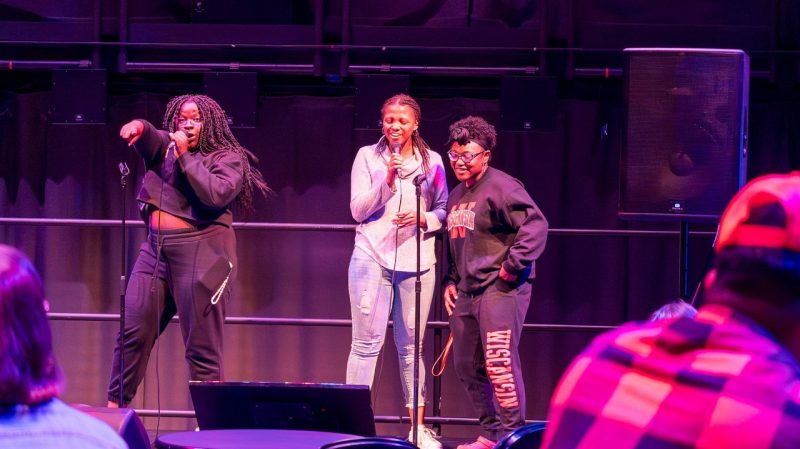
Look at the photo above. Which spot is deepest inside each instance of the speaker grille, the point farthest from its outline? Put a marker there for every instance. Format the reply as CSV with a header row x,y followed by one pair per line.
x,y
684,154
237,94
528,103
371,92
78,97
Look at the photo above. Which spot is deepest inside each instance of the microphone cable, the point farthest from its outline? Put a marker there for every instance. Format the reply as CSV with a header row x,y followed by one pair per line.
x,y
159,245
394,262
157,318
376,381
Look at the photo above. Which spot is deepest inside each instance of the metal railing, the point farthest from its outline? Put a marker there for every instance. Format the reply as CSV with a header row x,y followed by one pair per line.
x,y
436,325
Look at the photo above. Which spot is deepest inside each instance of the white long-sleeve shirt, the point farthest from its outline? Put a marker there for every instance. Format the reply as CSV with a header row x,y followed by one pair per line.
x,y
374,204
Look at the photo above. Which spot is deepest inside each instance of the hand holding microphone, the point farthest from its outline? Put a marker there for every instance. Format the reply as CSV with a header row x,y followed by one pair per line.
x,y
395,163
179,143
396,160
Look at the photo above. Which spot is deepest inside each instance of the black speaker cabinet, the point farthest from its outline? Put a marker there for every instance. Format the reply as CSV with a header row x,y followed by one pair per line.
x,y
124,420
685,147
528,103
237,93
371,92
78,97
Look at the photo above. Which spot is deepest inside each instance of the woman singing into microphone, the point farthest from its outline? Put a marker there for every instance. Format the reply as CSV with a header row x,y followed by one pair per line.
x,y
196,171
383,267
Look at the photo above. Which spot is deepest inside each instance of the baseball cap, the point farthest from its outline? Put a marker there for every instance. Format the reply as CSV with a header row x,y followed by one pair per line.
x,y
765,213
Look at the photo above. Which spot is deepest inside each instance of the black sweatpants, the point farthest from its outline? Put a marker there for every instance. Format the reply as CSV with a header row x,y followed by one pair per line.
x,y
192,266
486,329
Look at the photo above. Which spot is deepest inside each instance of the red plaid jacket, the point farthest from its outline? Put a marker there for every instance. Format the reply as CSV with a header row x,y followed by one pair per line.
x,y
715,381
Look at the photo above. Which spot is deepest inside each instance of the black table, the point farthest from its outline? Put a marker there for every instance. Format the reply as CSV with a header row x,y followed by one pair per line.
x,y
249,439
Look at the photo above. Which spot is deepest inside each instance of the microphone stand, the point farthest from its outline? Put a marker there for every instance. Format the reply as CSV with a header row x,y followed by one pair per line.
x,y
124,172
417,291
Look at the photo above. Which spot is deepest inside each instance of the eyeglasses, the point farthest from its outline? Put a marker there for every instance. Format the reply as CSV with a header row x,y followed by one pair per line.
x,y
183,121
466,157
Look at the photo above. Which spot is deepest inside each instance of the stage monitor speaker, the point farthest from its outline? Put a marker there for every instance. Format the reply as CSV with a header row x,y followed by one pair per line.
x,y
528,103
124,420
237,93
685,147
371,92
78,97
324,407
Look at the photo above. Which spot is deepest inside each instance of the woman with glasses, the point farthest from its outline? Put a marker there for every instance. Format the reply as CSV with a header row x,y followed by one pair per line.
x,y
496,233
383,267
196,172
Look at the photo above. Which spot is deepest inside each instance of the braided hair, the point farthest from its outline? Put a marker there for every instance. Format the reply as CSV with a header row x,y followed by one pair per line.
x,y
416,138
216,135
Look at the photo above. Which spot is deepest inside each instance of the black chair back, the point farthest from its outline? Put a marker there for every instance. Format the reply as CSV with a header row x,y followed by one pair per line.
x,y
526,437
370,443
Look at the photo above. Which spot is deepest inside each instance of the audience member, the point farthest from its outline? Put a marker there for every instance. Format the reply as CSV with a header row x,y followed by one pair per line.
x,y
674,309
31,415
728,377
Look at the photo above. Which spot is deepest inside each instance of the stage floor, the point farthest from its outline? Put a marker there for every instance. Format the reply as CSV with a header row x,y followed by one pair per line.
x,y
447,443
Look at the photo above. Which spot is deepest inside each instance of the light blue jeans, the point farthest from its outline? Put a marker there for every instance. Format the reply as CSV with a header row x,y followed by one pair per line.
x,y
373,298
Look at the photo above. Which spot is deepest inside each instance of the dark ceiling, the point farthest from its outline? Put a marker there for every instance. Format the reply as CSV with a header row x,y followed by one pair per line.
x,y
316,46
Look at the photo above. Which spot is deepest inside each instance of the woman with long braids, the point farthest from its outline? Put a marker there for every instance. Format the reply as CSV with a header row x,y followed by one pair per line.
x,y
196,171
383,267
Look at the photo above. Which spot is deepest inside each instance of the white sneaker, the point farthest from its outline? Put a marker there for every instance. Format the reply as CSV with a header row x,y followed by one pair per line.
x,y
426,438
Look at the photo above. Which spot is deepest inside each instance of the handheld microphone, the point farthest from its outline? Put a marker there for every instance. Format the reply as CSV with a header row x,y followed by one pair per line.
x,y
172,146
396,150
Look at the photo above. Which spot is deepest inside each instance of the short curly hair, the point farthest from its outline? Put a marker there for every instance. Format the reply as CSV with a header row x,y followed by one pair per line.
x,y
474,129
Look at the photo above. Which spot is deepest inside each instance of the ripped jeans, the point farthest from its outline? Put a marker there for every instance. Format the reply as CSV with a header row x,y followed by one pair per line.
x,y
373,298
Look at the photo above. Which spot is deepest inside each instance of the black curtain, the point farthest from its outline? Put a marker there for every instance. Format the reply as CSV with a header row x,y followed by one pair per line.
x,y
306,145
